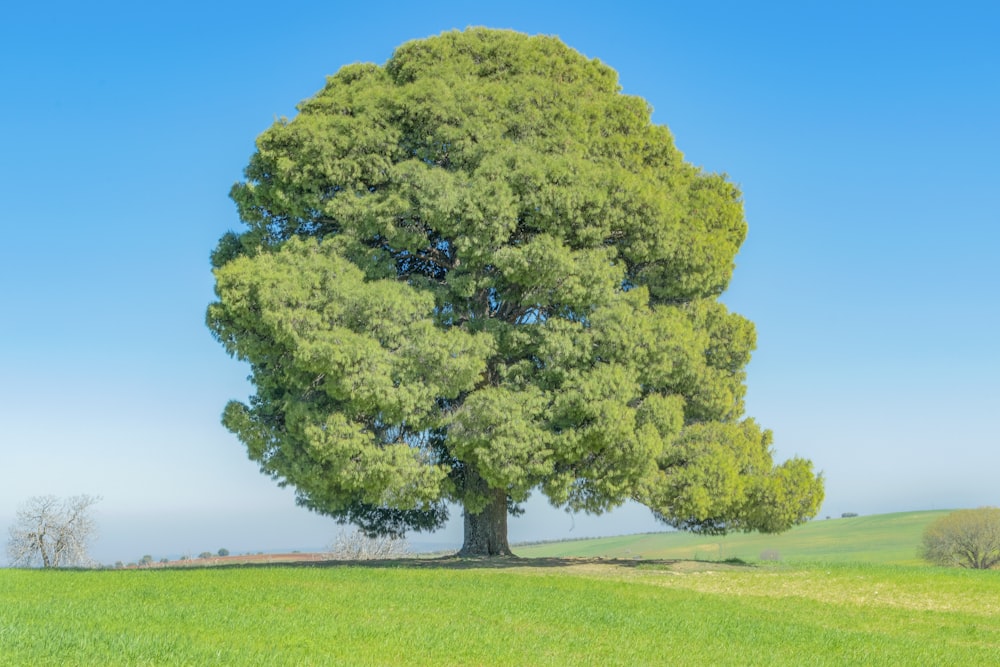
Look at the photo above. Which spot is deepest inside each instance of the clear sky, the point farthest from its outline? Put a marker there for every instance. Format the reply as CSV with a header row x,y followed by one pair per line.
x,y
865,137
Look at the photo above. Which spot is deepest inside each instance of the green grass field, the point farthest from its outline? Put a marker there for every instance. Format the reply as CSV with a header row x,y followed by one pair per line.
x,y
551,613
537,611
885,538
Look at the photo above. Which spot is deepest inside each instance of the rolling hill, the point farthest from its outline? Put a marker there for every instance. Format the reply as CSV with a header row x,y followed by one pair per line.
x,y
883,538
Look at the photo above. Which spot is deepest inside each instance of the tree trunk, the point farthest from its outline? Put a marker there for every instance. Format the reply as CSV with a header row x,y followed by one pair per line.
x,y
39,540
486,532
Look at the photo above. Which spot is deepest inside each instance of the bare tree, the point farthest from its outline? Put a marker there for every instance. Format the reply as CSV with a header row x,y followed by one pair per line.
x,y
966,538
355,545
52,532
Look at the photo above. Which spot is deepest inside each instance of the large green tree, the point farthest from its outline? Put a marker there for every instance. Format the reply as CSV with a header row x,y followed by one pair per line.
x,y
481,270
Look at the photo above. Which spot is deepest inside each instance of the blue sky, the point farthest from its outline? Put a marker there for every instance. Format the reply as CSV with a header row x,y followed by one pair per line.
x,y
864,136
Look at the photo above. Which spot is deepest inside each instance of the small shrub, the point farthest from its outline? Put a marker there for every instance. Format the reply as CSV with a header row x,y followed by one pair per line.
x,y
966,538
355,545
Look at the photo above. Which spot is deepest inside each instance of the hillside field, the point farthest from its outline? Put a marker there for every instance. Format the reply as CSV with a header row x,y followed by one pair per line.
x,y
836,610
515,612
884,538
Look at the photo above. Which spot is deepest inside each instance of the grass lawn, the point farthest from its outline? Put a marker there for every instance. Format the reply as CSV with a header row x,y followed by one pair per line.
x,y
522,612
884,538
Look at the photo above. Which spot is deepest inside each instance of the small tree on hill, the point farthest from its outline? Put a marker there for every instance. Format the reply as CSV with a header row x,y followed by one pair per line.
x,y
966,538
52,532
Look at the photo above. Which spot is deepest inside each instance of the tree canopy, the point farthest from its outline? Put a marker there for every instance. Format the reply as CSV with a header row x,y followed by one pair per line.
x,y
480,270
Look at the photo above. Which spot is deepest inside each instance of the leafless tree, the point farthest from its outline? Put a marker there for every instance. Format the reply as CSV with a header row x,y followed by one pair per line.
x,y
355,545
966,538
52,532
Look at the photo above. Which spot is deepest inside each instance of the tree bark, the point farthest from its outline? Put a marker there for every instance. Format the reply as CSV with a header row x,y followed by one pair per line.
x,y
486,532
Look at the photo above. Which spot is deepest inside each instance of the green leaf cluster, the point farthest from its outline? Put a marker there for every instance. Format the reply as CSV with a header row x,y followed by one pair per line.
x,y
481,262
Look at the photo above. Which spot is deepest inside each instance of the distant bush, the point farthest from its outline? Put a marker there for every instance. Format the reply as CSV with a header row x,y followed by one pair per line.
x,y
205,554
355,545
966,538
848,515
223,552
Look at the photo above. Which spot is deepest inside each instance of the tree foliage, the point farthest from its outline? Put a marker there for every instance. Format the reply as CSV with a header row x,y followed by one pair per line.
x,y
52,532
966,538
480,270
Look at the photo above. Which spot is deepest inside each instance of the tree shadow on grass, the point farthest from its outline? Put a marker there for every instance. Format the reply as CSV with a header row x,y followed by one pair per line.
x,y
516,562
452,562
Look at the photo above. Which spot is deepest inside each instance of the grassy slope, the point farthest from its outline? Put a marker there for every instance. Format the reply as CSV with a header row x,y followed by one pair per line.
x,y
885,538
502,614
537,612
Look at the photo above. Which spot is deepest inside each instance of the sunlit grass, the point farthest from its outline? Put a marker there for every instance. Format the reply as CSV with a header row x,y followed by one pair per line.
x,y
535,613
886,538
